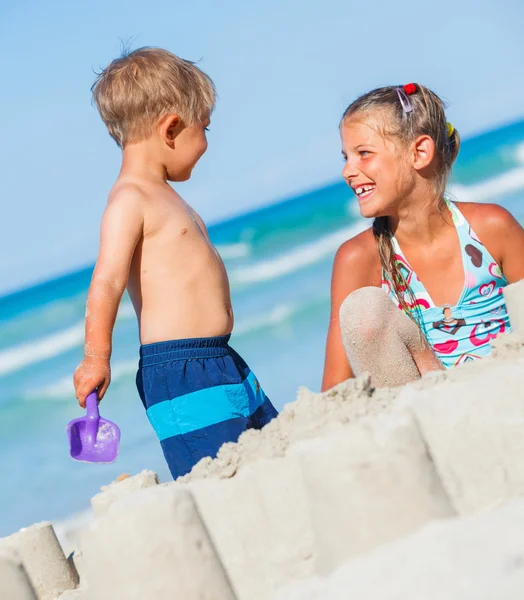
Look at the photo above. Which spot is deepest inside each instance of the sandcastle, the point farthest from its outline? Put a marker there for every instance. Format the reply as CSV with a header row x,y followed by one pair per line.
x,y
413,492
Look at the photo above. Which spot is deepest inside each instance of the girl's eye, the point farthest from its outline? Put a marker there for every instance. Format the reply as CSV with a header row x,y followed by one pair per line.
x,y
206,128
364,153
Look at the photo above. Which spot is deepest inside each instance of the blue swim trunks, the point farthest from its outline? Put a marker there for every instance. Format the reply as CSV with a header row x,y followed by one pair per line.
x,y
198,394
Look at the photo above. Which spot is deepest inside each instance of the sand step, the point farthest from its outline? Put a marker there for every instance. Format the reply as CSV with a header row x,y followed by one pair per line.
x,y
478,557
153,545
123,486
40,552
261,525
14,582
368,484
474,430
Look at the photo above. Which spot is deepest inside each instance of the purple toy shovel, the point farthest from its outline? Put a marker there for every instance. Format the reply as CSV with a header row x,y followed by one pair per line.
x,y
91,438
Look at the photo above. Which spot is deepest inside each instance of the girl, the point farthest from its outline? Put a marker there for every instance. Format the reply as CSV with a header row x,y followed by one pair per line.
x,y
444,265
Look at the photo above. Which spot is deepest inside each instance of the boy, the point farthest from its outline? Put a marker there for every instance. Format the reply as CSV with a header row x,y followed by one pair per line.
x,y
197,391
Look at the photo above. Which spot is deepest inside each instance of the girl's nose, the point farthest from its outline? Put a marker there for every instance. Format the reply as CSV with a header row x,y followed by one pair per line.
x,y
349,171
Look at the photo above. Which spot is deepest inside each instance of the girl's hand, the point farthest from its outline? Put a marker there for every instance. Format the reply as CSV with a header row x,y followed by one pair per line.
x,y
93,373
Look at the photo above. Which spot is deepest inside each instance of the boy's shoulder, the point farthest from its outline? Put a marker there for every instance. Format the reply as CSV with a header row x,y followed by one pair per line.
x,y
125,205
125,191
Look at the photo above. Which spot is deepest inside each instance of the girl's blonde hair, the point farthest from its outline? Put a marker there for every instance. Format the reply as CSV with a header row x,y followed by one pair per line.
x,y
427,117
141,87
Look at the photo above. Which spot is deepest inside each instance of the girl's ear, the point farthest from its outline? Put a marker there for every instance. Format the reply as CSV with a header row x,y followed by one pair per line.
x,y
423,152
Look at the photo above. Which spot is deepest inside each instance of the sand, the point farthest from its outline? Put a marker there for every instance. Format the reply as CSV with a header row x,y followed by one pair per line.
x,y
404,492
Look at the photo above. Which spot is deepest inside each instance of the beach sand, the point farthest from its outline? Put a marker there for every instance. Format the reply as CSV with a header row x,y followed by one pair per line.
x,y
408,492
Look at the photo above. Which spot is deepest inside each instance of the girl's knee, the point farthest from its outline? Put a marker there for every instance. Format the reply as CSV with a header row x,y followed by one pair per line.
x,y
366,312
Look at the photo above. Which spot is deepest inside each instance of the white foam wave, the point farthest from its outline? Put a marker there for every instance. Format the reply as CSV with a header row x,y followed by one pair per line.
x,y
126,311
492,189
352,208
18,357
276,316
230,251
297,258
63,387
519,153
24,355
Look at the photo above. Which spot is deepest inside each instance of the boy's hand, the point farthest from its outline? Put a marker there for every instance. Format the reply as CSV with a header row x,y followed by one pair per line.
x,y
91,374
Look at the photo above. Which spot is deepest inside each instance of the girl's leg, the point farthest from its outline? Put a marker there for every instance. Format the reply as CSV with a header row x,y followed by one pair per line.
x,y
383,341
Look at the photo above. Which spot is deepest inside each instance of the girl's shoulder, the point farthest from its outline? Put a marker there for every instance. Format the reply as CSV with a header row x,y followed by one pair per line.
x,y
359,257
361,247
491,223
484,215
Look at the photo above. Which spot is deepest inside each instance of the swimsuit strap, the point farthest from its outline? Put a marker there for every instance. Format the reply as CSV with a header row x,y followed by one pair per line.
x,y
459,220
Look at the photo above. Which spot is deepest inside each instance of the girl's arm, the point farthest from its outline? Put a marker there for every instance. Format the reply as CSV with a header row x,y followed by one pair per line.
x,y
512,262
502,235
356,265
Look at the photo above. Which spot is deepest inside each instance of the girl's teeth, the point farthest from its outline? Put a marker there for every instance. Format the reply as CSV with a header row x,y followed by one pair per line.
x,y
362,190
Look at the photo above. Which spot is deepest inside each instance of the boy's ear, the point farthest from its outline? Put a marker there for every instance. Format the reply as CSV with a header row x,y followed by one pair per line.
x,y
423,152
170,127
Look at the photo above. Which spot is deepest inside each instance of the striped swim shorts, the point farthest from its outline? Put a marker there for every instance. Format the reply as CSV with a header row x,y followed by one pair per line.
x,y
198,394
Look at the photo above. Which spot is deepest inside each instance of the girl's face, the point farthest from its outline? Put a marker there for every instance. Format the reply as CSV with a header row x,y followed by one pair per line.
x,y
373,168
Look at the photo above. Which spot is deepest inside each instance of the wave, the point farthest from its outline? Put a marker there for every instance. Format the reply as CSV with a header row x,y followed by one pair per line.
x,y
300,257
24,355
231,251
491,189
296,259
519,153
63,387
308,254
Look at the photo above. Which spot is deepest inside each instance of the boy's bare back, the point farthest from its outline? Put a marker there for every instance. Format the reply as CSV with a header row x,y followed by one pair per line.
x,y
177,281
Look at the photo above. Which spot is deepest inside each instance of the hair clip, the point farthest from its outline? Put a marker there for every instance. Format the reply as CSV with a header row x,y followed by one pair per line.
x,y
410,88
407,107
451,129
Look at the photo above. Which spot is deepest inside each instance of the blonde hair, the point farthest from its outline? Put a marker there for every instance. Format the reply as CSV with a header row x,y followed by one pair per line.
x,y
141,87
426,118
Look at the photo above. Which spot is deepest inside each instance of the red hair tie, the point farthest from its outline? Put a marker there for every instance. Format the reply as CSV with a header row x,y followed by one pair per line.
x,y
410,88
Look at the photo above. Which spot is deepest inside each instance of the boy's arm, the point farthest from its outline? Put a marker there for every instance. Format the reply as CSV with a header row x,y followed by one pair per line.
x,y
120,232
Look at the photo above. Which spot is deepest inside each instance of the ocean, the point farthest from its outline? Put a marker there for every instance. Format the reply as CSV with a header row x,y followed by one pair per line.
x,y
279,260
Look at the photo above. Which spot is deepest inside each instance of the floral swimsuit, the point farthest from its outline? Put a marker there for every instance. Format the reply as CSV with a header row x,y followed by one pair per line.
x,y
462,332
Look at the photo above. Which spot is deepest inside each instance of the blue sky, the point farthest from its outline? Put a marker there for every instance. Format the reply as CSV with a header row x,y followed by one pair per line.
x,y
284,69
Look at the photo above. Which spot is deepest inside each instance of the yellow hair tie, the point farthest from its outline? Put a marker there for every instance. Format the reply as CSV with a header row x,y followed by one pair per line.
x,y
451,129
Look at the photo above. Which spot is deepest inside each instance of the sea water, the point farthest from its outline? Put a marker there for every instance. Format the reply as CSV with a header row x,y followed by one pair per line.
x,y
279,261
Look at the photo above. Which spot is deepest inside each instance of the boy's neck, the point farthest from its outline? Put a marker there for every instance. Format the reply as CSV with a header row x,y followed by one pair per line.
x,y
141,160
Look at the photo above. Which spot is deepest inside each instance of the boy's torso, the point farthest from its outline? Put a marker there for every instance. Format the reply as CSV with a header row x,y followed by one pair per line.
x,y
177,281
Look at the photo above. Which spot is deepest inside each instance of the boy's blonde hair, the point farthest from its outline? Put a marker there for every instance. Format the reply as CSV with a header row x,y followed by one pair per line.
x,y
141,87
